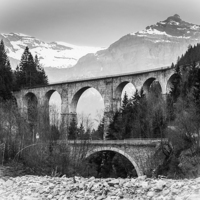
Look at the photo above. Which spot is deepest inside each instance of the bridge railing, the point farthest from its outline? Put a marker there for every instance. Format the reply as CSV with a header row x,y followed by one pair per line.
x,y
134,141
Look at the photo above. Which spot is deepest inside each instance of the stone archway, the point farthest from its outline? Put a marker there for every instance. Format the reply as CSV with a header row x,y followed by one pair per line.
x,y
87,107
170,82
53,108
75,99
119,93
152,83
121,152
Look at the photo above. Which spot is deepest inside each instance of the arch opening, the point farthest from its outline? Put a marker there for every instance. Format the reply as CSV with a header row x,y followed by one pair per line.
x,y
88,105
152,86
54,108
31,104
129,89
106,162
171,81
124,87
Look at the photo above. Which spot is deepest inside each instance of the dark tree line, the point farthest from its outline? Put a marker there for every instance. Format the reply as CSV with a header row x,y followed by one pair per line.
x,y
76,132
141,116
190,56
29,73
6,75
182,153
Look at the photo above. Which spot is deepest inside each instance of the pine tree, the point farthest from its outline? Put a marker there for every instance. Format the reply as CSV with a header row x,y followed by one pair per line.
x,y
73,130
124,102
135,98
115,127
6,75
81,131
54,133
186,82
41,76
100,130
29,73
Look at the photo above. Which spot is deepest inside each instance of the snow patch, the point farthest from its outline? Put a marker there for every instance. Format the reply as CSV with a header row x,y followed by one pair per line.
x,y
156,41
162,22
181,28
174,23
153,32
195,27
22,35
184,37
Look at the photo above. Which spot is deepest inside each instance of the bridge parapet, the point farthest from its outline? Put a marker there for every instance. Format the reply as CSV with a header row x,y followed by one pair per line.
x,y
132,142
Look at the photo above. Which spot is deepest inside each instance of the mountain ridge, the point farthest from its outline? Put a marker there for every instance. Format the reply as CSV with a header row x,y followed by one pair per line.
x,y
156,46
51,54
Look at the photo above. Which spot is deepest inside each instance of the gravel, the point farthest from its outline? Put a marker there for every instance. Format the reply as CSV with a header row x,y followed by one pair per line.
x,y
31,187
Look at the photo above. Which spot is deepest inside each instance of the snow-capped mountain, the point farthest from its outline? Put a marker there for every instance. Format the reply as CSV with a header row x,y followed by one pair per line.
x,y
154,47
53,54
172,27
157,46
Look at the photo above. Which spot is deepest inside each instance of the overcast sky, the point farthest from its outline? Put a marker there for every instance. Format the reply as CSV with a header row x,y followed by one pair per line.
x,y
90,22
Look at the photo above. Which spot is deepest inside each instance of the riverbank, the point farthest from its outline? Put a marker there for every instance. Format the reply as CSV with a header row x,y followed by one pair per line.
x,y
30,187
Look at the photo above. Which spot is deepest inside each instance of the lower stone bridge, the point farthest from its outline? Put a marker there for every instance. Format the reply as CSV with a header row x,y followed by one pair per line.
x,y
138,151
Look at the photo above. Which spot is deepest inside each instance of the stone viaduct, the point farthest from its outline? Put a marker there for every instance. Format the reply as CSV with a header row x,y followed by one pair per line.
x,y
110,88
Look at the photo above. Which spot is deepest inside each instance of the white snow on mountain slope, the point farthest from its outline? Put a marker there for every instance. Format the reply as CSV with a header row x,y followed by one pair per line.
x,y
53,54
152,31
168,30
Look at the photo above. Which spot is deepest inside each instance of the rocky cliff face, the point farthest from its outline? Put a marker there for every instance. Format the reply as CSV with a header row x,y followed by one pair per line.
x,y
157,46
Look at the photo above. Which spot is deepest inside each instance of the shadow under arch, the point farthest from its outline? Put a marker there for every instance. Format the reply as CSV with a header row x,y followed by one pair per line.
x,y
120,87
151,84
31,103
116,150
49,93
76,97
170,82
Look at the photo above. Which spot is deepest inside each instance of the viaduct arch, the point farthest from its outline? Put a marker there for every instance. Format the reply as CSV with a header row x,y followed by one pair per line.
x,y
121,152
110,88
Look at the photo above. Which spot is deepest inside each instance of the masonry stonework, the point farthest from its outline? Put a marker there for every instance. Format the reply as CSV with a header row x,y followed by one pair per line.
x,y
110,89
138,152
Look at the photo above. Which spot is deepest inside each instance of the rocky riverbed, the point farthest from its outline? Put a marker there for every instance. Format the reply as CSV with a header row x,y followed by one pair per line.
x,y
31,187
15,185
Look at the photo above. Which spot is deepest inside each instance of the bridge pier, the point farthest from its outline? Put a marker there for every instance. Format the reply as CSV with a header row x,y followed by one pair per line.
x,y
110,89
